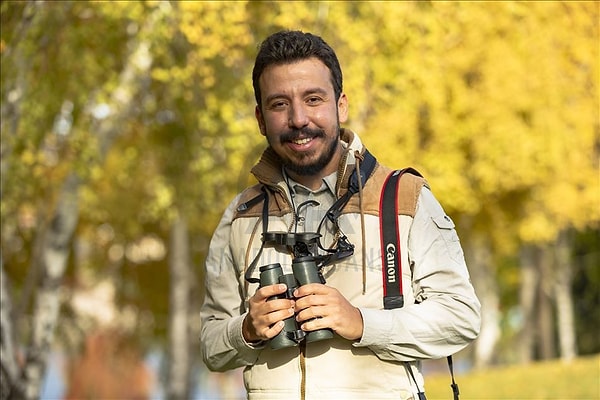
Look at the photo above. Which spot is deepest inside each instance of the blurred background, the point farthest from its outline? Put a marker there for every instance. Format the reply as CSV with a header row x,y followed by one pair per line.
x,y
127,127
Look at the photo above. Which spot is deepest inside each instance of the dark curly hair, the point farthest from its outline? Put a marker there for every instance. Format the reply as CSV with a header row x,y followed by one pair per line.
x,y
285,47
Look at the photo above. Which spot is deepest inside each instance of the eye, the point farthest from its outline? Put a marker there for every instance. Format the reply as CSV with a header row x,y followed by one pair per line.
x,y
313,100
278,105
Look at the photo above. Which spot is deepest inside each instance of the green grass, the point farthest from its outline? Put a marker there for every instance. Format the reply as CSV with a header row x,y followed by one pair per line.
x,y
578,380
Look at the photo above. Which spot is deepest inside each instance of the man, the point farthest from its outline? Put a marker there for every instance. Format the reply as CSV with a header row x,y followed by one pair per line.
x,y
374,352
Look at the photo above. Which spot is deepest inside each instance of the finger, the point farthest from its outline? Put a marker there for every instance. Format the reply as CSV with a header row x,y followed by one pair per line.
x,y
265,292
271,324
274,330
347,323
311,288
314,324
269,306
311,313
313,300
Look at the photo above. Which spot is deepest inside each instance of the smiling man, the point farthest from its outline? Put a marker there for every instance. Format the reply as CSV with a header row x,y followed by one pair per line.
x,y
317,180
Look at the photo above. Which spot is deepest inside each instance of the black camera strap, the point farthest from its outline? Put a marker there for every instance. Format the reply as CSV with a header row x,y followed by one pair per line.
x,y
392,260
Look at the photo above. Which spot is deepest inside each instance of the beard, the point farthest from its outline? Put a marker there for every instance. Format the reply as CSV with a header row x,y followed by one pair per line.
x,y
304,168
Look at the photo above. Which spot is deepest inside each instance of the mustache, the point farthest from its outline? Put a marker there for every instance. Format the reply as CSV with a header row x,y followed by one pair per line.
x,y
295,134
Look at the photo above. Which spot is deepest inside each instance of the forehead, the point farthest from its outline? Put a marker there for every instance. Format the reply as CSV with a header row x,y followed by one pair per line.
x,y
310,72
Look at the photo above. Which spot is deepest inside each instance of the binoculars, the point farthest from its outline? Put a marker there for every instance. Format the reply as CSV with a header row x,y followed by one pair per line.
x,y
304,271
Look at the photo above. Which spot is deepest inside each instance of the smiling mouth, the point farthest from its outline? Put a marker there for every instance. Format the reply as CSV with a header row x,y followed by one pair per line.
x,y
302,141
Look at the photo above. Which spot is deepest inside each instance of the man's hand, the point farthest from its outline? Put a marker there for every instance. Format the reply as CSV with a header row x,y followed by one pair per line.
x,y
320,306
265,318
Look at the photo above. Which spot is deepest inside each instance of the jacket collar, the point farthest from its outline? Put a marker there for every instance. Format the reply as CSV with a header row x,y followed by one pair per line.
x,y
268,169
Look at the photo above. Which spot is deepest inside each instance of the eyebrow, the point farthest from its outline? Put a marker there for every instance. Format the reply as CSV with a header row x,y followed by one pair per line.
x,y
307,92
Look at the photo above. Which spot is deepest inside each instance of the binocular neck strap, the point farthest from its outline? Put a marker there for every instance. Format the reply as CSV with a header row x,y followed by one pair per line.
x,y
265,225
332,214
365,169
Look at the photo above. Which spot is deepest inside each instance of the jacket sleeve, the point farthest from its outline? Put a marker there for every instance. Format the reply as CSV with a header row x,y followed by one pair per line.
x,y
221,341
446,314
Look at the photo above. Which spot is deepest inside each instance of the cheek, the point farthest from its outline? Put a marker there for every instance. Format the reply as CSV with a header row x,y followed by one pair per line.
x,y
274,126
330,116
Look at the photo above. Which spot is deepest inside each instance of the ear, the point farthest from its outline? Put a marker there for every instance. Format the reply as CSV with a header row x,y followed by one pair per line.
x,y
342,106
260,120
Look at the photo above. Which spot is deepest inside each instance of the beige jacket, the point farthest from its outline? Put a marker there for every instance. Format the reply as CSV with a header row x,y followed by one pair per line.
x,y
441,312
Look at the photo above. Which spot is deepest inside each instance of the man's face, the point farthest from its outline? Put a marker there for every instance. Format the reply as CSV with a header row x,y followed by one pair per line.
x,y
301,118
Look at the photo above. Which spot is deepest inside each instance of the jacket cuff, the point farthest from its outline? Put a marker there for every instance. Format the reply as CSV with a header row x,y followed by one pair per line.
x,y
376,327
236,338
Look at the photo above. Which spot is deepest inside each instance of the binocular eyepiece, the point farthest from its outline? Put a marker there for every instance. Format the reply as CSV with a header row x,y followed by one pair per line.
x,y
304,271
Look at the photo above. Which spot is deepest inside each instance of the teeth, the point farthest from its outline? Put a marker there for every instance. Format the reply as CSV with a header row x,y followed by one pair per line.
x,y
302,141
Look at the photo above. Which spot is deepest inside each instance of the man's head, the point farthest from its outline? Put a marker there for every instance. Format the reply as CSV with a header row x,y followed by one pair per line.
x,y
286,47
300,105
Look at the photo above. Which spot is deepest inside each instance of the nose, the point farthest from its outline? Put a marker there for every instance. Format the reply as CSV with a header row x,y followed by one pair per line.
x,y
298,117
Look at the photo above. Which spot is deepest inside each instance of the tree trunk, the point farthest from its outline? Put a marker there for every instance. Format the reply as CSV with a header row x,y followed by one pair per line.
x,y
564,299
545,307
11,385
527,300
179,326
484,280
9,371
47,301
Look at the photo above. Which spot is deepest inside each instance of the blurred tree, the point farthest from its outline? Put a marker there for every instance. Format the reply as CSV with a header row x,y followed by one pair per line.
x,y
57,238
199,97
497,105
